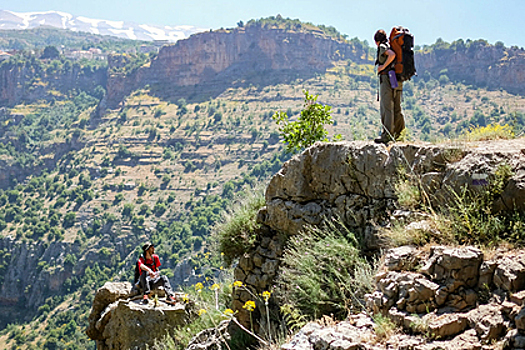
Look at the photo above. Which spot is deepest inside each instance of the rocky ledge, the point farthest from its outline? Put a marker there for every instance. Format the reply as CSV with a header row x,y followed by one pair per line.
x,y
356,181
120,321
445,298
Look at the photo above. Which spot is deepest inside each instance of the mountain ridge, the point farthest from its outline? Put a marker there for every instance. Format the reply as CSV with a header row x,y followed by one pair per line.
x,y
122,29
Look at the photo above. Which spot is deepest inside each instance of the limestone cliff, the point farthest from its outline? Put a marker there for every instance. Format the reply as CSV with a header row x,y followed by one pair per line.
x,y
212,61
19,82
208,63
479,64
33,272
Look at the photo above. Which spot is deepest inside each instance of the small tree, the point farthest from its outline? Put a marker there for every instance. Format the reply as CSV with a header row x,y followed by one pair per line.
x,y
69,219
50,52
309,128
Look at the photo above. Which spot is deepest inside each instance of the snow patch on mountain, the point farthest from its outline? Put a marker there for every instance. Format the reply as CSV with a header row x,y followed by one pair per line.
x,y
122,29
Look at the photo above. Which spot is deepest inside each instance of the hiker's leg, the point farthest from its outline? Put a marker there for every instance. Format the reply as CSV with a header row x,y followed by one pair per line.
x,y
146,283
167,285
164,282
399,118
142,282
386,106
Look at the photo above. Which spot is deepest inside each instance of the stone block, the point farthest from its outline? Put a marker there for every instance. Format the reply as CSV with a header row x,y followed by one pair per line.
x,y
510,273
448,325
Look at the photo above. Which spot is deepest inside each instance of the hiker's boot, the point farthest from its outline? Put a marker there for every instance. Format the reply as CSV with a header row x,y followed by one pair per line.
x,y
170,299
384,139
145,299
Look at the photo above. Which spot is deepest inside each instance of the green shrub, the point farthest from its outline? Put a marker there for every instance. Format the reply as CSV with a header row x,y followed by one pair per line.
x,y
235,232
69,219
309,127
127,210
474,218
323,272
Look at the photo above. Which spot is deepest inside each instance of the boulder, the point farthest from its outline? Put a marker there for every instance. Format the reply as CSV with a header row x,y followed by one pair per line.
x,y
455,267
211,339
109,293
119,321
520,320
401,259
464,341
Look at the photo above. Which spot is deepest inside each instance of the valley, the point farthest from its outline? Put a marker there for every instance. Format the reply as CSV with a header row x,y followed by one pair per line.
x,y
95,161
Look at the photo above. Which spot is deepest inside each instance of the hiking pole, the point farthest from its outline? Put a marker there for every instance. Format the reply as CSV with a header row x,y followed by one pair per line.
x,y
378,84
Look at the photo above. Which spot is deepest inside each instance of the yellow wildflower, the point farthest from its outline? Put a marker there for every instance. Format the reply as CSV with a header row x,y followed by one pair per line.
x,y
185,298
202,312
199,286
249,305
228,312
215,286
266,295
237,284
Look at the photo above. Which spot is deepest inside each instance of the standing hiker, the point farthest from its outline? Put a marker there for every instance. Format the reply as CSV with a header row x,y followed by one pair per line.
x,y
150,278
390,91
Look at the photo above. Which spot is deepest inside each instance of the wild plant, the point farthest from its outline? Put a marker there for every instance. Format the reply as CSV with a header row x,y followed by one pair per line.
x,y
474,218
235,232
323,273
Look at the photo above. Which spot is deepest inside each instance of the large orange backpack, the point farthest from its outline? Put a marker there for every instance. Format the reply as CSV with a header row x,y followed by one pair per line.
x,y
402,43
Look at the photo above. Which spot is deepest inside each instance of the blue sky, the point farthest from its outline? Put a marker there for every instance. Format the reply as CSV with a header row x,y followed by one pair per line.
x,y
428,19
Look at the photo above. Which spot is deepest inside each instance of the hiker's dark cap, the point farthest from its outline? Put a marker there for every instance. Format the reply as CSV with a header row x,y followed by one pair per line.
x,y
147,246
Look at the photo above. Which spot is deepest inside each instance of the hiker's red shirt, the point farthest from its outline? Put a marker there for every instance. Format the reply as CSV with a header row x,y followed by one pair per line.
x,y
152,263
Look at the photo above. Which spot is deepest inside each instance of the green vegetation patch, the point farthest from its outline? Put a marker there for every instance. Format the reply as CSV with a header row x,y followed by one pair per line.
x,y
236,232
323,272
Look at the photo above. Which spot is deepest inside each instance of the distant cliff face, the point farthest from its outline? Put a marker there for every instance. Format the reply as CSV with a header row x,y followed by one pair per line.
x,y
206,64
478,64
222,57
224,54
19,82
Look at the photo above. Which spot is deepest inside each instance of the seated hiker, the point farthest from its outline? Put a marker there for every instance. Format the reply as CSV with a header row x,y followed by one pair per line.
x,y
150,278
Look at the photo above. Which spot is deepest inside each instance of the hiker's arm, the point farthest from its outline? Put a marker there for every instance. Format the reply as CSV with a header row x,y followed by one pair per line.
x,y
391,56
143,267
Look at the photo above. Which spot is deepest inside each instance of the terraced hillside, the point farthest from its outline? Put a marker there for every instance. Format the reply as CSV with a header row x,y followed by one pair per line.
x,y
82,189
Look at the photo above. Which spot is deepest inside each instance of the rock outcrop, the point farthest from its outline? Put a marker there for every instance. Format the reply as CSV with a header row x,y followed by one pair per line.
x,y
451,302
120,322
480,64
19,82
355,181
